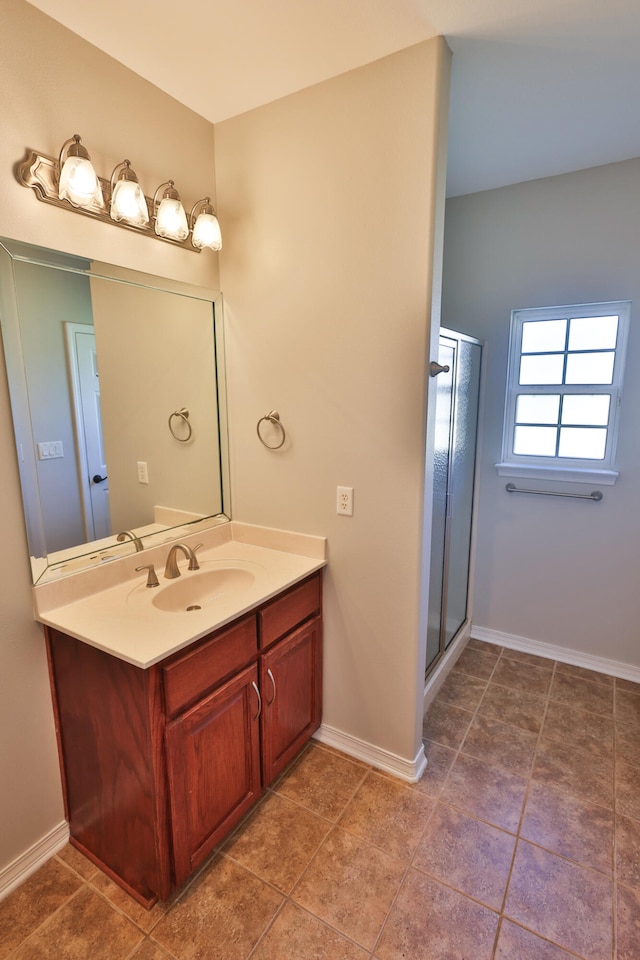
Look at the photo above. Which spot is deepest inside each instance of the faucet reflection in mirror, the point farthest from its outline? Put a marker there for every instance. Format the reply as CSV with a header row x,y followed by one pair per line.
x,y
72,183
127,534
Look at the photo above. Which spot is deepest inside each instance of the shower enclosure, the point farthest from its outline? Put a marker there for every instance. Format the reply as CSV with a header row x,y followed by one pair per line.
x,y
456,431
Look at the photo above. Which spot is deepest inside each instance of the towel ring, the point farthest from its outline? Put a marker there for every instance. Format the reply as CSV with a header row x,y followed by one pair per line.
x,y
274,418
183,415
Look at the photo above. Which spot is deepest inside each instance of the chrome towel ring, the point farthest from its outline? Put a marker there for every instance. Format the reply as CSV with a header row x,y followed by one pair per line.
x,y
274,418
183,416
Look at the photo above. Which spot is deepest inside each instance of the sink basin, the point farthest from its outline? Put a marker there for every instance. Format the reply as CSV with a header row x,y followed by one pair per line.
x,y
194,591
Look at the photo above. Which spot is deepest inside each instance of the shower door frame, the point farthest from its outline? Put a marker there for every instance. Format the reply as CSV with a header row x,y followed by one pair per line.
x,y
444,647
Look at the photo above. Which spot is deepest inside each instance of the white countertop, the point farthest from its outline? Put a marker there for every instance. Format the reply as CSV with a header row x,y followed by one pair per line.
x,y
112,609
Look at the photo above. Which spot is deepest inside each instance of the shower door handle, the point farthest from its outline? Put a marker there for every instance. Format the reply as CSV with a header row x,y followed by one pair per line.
x,y
436,368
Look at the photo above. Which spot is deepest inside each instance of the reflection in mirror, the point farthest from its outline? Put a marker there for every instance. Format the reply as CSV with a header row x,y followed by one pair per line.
x,y
99,361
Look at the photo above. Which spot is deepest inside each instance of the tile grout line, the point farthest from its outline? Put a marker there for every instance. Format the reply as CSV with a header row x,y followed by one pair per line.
x,y
149,939
458,752
394,899
84,885
221,850
288,897
268,927
547,699
502,915
476,712
437,801
531,780
526,797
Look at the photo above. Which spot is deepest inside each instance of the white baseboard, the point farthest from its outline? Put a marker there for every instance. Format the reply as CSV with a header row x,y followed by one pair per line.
x,y
613,668
32,859
409,770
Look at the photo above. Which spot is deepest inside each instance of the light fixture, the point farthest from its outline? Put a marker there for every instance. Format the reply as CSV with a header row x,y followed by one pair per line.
x,y
171,220
205,229
128,202
70,182
79,182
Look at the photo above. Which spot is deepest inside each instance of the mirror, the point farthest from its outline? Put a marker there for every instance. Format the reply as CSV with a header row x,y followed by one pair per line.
x,y
118,398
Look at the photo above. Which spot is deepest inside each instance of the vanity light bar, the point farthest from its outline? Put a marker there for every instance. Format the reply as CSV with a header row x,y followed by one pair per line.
x,y
42,173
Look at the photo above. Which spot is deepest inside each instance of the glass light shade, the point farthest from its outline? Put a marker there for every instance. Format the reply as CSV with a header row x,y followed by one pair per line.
x,y
79,183
128,203
206,232
171,220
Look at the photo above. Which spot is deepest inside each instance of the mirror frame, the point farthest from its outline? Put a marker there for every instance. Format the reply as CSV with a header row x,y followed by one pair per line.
x,y
90,555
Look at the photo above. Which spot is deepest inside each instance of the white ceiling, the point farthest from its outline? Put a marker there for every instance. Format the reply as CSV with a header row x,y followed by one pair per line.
x,y
539,87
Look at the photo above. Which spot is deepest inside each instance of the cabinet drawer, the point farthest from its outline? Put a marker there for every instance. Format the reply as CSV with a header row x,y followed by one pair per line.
x,y
198,671
285,613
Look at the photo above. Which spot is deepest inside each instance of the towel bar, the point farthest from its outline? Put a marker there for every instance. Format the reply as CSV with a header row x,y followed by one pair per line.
x,y
594,495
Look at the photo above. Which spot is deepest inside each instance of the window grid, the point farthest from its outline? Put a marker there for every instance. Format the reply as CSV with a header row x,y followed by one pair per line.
x,y
559,424
599,448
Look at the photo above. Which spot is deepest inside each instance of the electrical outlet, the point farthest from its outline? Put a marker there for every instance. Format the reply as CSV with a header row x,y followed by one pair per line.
x,y
344,501
143,472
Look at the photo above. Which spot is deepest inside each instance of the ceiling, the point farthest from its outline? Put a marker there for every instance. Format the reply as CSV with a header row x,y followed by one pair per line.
x,y
539,87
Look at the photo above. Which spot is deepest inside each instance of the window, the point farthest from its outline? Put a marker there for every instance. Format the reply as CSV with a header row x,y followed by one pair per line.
x,y
563,391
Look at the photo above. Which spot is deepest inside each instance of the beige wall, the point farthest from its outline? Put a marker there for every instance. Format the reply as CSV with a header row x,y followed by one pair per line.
x,y
329,200
55,85
559,571
156,355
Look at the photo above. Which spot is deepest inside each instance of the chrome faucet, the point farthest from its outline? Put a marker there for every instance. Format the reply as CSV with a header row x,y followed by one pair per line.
x,y
171,570
137,542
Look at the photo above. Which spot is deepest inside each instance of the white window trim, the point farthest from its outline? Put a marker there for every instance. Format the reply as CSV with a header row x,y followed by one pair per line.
x,y
552,468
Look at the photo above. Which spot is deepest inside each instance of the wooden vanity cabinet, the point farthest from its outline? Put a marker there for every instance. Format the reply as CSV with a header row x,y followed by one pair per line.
x,y
291,685
290,673
109,722
213,765
159,764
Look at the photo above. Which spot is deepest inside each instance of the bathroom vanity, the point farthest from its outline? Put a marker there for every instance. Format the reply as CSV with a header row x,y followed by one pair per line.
x,y
176,704
161,755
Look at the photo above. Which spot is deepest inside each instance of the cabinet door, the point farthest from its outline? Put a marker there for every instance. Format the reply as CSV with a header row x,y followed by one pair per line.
x,y
291,685
213,763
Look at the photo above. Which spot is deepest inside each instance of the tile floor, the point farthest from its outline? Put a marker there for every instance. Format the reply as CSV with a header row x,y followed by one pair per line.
x,y
522,842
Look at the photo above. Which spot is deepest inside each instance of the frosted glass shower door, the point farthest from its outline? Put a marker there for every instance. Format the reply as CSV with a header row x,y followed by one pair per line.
x,y
442,451
454,471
